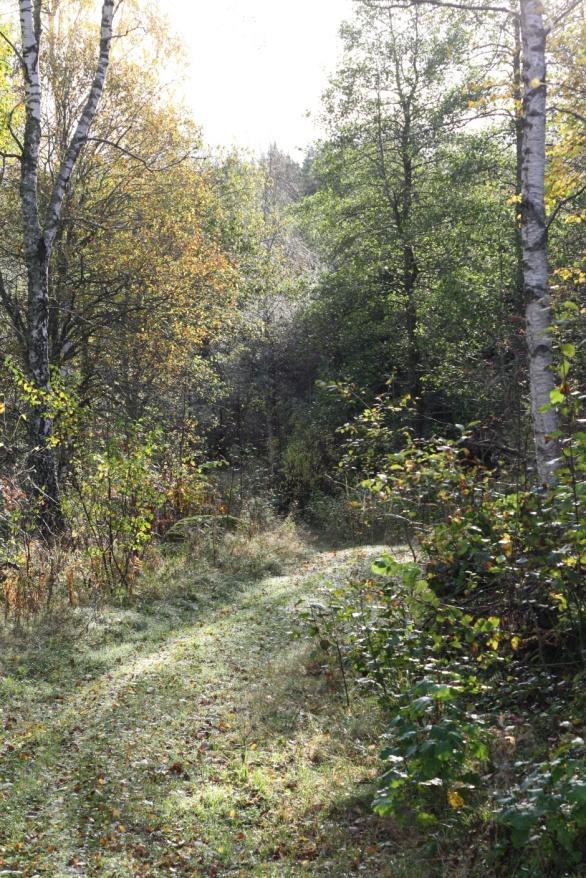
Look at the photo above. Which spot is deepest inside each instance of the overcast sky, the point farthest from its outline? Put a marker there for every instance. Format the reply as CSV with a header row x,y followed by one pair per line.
x,y
258,66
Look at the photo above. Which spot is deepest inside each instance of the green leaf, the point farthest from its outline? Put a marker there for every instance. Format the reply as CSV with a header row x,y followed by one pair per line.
x,y
556,396
386,566
426,819
577,793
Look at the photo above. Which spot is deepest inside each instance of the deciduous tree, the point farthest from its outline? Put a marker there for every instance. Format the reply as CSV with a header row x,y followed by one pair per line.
x,y
40,225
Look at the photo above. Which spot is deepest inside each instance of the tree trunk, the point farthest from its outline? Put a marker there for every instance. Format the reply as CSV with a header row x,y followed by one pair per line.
x,y
410,272
39,238
43,469
410,267
519,298
42,458
534,241
401,206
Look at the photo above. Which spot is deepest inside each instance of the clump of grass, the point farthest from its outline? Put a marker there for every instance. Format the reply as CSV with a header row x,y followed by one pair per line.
x,y
253,553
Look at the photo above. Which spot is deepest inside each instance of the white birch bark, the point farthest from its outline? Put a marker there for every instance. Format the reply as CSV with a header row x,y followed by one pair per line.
x,y
83,126
534,240
39,237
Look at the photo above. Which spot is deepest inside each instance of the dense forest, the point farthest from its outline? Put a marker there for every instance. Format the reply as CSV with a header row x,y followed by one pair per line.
x,y
293,455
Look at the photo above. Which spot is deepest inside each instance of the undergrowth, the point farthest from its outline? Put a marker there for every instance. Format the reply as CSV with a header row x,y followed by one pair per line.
x,y
475,648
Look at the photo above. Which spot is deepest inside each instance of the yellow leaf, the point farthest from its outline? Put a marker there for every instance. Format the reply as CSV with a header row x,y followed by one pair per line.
x,y
560,599
507,545
455,799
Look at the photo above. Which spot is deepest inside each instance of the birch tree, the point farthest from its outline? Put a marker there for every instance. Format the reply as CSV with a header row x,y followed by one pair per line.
x,y
534,238
528,15
40,228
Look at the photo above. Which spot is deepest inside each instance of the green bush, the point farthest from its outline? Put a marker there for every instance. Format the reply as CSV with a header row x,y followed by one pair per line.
x,y
434,749
486,630
544,814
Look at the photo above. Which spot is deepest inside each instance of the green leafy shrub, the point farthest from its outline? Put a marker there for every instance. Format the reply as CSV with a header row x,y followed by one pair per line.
x,y
111,509
485,629
544,814
434,747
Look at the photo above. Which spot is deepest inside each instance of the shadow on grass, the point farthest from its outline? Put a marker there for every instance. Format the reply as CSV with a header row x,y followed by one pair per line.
x,y
65,646
188,738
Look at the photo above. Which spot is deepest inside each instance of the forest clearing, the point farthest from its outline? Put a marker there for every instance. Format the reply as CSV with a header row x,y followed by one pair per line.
x,y
293,439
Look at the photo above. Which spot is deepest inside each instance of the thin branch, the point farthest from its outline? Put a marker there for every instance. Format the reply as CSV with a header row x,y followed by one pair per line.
x,y
148,165
131,30
563,203
563,15
13,311
568,112
122,149
12,46
466,7
11,129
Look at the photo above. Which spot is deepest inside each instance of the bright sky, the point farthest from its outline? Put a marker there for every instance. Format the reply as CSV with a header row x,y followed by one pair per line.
x,y
258,66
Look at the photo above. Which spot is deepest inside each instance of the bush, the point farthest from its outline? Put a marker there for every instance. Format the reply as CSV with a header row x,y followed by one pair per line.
x,y
544,813
111,509
485,631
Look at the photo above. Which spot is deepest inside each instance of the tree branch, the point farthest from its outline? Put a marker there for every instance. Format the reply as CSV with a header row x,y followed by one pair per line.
x,y
568,112
466,7
563,203
80,135
573,5
13,311
12,46
148,165
11,130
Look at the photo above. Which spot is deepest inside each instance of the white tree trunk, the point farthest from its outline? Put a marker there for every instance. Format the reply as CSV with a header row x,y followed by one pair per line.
x,y
534,240
39,237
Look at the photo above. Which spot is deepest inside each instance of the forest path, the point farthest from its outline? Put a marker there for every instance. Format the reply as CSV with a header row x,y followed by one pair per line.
x,y
192,737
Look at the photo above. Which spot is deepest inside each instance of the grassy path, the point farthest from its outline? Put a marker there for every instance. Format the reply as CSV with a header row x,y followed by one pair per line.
x,y
189,737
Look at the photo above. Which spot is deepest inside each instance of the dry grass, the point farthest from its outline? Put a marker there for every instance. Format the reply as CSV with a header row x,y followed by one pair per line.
x,y
253,553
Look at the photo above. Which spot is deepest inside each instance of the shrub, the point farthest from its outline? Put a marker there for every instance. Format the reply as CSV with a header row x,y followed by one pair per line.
x,y
543,815
116,491
487,628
